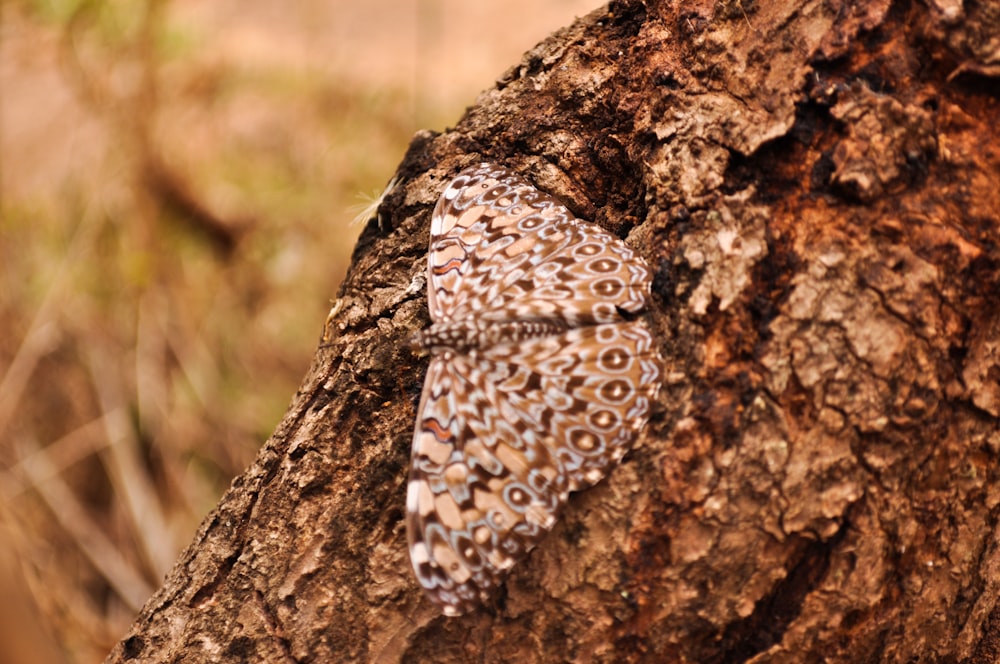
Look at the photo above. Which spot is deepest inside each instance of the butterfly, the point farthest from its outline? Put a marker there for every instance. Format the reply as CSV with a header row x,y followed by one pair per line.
x,y
539,379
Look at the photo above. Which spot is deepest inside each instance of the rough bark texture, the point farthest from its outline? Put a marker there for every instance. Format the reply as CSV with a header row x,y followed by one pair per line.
x,y
818,186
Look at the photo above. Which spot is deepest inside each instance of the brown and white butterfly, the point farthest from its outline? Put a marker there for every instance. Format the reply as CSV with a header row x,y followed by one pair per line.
x,y
538,383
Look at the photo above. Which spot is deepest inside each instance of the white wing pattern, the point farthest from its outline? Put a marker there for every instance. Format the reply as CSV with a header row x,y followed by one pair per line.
x,y
538,384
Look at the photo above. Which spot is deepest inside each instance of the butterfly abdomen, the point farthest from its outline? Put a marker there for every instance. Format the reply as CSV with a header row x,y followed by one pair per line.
x,y
468,334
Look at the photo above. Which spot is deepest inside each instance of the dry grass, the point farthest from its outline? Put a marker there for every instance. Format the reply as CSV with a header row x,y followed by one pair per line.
x,y
176,185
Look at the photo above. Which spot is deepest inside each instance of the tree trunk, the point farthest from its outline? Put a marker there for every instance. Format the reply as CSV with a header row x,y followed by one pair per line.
x,y
817,188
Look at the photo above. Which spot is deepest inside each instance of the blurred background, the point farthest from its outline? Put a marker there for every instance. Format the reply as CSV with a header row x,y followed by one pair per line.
x,y
177,184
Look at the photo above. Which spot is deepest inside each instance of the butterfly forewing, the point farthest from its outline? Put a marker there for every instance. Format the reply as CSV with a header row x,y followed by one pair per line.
x,y
507,427
502,250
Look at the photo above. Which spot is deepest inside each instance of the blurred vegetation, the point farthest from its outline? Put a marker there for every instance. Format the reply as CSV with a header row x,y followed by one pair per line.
x,y
174,220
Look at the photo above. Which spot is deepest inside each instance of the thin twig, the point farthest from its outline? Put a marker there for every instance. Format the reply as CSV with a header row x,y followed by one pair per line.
x,y
75,446
128,474
42,331
74,518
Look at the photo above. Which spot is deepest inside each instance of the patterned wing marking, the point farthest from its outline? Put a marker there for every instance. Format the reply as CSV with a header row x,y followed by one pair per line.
x,y
482,490
501,248
591,391
505,434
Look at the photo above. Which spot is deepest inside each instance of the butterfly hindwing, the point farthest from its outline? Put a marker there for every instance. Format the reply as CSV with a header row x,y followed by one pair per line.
x,y
590,389
483,486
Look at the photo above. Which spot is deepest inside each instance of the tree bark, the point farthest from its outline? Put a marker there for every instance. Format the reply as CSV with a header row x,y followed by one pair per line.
x,y
817,186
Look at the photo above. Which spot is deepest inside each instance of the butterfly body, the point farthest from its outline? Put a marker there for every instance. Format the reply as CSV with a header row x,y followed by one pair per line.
x,y
538,381
478,333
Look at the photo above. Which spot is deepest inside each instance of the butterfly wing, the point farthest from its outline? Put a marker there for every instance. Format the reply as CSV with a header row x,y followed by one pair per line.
x,y
504,434
501,249
482,491
587,394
